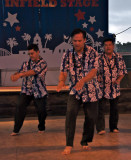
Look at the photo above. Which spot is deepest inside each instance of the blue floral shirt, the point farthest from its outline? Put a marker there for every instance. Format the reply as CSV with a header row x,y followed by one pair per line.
x,y
109,71
78,67
34,85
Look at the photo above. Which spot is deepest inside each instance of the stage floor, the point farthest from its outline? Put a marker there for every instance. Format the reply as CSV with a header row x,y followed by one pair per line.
x,y
18,89
31,145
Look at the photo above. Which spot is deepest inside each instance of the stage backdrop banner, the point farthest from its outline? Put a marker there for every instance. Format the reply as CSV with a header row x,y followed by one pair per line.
x,y
49,24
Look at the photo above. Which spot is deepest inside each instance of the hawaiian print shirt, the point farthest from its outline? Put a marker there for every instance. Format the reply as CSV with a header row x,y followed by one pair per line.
x,y
90,91
34,85
109,71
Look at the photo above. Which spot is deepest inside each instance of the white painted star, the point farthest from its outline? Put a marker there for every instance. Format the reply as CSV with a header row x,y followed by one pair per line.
x,y
4,24
12,19
65,37
100,33
92,19
84,25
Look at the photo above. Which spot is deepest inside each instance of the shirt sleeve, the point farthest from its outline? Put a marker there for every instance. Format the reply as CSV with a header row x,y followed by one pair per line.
x,y
122,67
65,62
23,67
94,59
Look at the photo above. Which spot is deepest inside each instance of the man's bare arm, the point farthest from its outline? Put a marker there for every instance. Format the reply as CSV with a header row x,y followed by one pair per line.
x,y
16,76
62,79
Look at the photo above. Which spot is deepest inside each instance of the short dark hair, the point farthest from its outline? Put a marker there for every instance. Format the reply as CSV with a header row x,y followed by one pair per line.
x,y
77,31
33,46
108,39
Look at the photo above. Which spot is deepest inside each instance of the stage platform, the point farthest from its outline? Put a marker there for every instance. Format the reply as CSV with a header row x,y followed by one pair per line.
x,y
30,145
18,89
56,102
49,88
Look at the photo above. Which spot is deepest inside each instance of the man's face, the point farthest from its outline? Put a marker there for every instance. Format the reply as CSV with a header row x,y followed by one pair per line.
x,y
34,55
108,47
78,42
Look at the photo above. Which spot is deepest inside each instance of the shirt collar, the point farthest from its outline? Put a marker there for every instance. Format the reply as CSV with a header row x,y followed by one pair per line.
x,y
40,58
113,55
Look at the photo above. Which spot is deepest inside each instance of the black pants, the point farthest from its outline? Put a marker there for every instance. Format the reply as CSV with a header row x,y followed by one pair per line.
x,y
90,111
23,103
113,118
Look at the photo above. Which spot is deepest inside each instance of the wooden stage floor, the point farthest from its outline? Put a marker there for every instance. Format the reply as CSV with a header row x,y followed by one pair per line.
x,y
31,145
18,89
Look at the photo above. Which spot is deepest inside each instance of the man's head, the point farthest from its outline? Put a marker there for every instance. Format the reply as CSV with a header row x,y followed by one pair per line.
x,y
33,52
108,46
78,39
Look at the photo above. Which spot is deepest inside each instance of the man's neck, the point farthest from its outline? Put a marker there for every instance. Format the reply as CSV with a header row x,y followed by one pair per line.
x,y
109,55
79,52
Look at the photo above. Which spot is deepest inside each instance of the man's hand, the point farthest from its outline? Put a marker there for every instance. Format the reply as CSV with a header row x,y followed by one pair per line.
x,y
15,77
99,78
116,82
60,86
79,85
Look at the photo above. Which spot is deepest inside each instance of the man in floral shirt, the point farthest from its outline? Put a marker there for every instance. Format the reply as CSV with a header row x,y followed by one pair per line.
x,y
33,88
81,62
111,71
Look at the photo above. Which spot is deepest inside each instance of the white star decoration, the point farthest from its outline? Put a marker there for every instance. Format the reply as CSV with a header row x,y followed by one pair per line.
x,y
12,19
92,19
100,33
84,25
